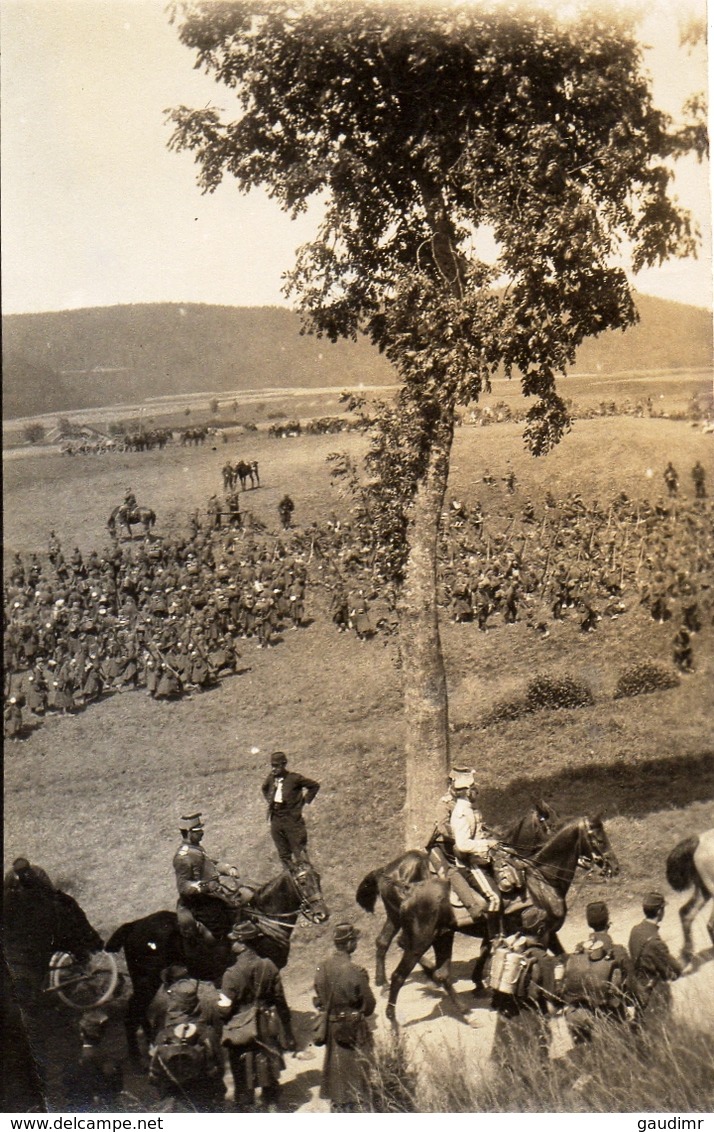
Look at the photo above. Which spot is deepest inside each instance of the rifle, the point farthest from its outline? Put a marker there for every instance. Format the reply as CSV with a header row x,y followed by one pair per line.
x,y
165,662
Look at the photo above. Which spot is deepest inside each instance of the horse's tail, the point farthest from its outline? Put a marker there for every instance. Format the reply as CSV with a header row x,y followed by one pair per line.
x,y
117,939
368,891
681,872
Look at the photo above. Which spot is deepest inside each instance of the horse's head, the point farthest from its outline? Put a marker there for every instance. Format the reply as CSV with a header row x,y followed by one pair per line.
x,y
594,849
306,879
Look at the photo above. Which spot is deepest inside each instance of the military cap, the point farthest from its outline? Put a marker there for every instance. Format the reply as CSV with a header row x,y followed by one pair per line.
x,y
462,779
532,919
278,758
461,768
652,902
173,973
20,864
192,821
597,915
244,932
345,933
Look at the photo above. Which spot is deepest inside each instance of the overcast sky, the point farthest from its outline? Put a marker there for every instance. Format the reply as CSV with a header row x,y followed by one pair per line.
x,y
96,211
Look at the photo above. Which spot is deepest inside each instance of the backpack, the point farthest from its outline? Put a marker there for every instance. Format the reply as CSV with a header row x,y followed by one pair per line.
x,y
181,1055
510,967
592,977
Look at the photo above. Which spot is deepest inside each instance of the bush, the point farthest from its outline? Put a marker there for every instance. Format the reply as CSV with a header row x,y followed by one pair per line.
x,y
643,678
546,692
505,711
34,433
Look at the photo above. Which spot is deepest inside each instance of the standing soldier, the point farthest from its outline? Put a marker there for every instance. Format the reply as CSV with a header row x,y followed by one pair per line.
x,y
285,510
522,1016
197,880
258,1026
345,1000
654,967
598,980
286,792
213,510
682,652
671,479
54,548
699,475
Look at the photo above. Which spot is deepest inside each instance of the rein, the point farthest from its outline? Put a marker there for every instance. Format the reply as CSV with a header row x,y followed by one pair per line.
x,y
279,925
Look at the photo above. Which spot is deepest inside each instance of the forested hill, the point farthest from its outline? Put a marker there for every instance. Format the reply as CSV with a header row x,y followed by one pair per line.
x,y
100,356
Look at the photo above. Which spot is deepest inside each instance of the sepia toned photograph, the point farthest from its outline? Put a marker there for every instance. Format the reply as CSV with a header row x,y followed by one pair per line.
x,y
358,545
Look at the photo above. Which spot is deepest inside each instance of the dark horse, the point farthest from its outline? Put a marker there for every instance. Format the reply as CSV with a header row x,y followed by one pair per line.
x,y
691,865
124,517
154,942
39,921
418,903
522,839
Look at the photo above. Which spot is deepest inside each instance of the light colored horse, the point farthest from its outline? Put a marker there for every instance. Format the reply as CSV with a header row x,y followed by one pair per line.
x,y
691,863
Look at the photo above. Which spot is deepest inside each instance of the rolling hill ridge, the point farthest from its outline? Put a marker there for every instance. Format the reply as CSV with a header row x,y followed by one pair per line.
x,y
100,356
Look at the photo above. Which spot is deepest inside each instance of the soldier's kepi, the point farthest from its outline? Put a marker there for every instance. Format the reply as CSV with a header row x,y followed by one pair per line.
x,y
204,909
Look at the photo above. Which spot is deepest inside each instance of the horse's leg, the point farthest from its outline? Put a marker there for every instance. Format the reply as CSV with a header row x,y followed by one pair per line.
x,y
687,914
134,1018
479,965
385,937
443,949
403,970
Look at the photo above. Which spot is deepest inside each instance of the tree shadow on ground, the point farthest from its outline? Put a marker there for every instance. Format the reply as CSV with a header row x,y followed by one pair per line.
x,y
617,788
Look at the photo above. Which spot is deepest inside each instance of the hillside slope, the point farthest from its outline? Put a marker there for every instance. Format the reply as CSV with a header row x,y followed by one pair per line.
x,y
53,362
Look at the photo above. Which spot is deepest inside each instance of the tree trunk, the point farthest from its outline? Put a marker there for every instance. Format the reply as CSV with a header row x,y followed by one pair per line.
x,y
423,674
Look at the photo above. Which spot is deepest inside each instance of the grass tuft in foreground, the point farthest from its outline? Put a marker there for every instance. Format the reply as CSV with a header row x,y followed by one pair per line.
x,y
670,1069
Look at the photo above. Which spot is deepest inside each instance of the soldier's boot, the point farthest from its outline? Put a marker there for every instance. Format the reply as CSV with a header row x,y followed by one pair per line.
x,y
472,900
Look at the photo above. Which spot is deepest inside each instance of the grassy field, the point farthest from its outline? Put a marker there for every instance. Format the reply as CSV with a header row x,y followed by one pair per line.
x,y
95,797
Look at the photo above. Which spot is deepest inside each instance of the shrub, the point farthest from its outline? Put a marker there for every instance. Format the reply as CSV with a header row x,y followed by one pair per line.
x,y
34,432
547,692
505,711
643,678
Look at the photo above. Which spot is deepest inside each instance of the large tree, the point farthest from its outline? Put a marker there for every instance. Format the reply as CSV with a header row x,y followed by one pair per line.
x,y
419,127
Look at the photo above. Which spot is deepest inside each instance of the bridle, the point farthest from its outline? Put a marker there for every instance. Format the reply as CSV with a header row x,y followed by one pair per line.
x,y
307,887
590,855
279,925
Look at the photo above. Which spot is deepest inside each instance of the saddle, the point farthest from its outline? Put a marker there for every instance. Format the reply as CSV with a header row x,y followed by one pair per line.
x,y
508,877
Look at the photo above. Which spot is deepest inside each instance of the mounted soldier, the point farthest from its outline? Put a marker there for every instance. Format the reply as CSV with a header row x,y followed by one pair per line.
x,y
468,855
205,908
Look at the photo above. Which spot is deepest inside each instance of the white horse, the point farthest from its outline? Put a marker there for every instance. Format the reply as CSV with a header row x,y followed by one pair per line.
x,y
692,863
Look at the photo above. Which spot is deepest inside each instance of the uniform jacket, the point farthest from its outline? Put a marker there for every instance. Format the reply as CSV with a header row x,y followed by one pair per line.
x,y
650,954
340,985
253,980
468,830
297,790
192,865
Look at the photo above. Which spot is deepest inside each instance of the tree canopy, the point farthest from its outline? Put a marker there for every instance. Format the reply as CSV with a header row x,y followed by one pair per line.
x,y
422,127
420,124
